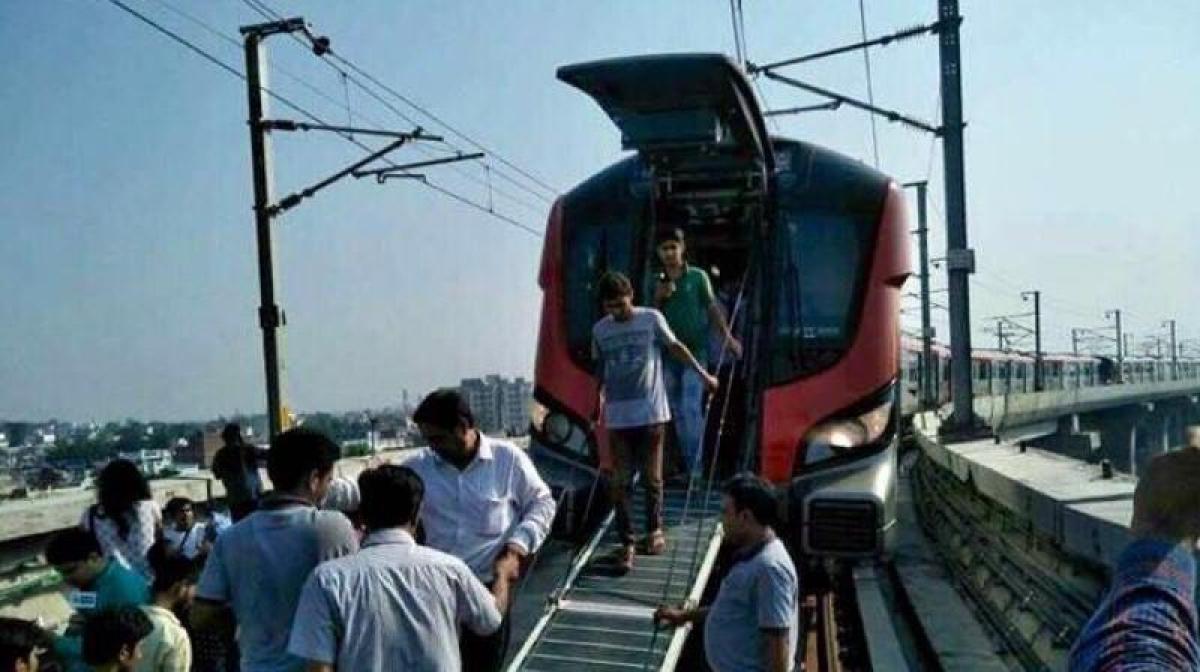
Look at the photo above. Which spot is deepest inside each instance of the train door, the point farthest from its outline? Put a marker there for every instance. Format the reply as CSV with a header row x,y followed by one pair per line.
x,y
706,163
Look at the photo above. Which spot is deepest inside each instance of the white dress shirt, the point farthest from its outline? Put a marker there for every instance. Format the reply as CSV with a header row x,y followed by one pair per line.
x,y
394,605
498,499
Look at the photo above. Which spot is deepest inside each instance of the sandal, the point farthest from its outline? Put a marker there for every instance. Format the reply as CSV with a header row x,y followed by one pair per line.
x,y
656,543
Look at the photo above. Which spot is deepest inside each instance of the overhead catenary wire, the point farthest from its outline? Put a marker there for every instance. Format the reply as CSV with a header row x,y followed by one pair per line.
x,y
862,19
421,148
179,39
266,12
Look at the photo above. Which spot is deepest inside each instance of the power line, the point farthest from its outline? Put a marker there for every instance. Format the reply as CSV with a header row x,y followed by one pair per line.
x,y
344,78
266,12
737,35
300,110
862,20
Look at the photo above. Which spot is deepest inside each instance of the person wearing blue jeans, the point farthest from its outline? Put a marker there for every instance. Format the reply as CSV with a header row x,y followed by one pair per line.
x,y
684,295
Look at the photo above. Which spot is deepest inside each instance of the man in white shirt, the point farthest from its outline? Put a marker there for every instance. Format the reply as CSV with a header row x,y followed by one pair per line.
x,y
184,536
394,605
485,504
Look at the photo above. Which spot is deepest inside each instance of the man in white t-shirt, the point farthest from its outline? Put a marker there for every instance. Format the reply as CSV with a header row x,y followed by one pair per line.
x,y
627,345
183,534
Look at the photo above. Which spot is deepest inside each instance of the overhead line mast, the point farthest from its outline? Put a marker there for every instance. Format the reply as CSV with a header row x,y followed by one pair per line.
x,y
960,258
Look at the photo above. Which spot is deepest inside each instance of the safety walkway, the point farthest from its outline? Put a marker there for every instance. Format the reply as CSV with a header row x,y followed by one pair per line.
x,y
603,620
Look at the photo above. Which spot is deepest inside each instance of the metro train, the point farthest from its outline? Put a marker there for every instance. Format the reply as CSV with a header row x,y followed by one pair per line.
x,y
996,372
816,244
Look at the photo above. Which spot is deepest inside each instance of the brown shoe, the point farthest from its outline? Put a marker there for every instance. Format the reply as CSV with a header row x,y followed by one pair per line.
x,y
624,558
656,543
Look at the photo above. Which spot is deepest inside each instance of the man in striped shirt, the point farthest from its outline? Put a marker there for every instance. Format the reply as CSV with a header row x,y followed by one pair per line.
x,y
1147,621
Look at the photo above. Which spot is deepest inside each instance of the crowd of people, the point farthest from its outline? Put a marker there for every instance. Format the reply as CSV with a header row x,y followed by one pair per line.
x,y
323,573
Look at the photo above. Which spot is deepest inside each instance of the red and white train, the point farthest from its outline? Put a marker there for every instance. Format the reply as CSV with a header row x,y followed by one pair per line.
x,y
814,242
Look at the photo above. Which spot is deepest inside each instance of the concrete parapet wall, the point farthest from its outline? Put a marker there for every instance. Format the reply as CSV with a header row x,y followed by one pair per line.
x,y
1016,410
1064,499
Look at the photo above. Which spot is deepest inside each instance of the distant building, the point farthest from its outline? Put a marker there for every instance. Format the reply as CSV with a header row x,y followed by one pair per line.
x,y
200,448
501,406
151,461
15,459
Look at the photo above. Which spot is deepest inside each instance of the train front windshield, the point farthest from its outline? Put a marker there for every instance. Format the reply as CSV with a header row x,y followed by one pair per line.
x,y
821,260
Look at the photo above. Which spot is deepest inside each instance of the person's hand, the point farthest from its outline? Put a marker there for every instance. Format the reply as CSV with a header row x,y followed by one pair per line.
x,y
673,616
735,346
508,565
663,291
710,381
1166,503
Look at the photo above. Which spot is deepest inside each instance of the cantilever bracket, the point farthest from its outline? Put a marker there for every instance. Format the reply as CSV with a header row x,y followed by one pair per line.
x,y
890,115
294,199
382,175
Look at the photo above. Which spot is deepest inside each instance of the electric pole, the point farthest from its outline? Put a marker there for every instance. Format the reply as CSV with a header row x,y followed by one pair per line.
x,y
260,164
927,397
1038,384
270,317
960,259
1116,313
1174,351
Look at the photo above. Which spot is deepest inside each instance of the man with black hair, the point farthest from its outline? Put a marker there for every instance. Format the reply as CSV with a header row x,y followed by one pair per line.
x,y
101,582
22,644
183,534
112,639
627,346
258,566
485,504
168,648
752,623
236,465
684,294
394,605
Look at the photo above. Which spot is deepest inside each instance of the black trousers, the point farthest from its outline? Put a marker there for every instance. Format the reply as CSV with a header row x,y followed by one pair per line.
x,y
485,653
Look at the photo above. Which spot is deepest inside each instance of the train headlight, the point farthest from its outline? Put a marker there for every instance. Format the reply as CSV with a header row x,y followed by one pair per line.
x,y
837,437
557,428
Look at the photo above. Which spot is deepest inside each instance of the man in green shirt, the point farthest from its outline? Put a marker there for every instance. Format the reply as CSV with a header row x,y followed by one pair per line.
x,y
100,582
684,295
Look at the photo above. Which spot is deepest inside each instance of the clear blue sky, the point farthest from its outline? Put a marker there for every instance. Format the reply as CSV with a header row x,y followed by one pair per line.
x,y
128,266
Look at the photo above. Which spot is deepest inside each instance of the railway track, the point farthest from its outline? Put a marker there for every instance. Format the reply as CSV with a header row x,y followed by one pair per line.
x,y
1031,596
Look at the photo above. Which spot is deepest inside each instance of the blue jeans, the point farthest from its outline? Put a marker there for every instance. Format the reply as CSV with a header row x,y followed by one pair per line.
x,y
685,394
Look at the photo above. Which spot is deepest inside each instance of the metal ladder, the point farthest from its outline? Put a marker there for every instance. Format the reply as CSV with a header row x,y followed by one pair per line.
x,y
602,620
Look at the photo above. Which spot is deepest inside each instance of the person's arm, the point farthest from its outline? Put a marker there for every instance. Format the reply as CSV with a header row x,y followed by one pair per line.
x,y
211,610
680,352
178,656
536,506
717,316
478,610
776,594
314,629
775,650
1147,621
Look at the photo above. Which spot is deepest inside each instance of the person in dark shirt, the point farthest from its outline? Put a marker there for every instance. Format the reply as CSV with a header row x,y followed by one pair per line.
x,y
22,644
112,639
236,465
1147,621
